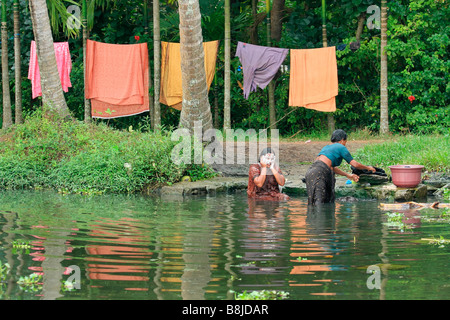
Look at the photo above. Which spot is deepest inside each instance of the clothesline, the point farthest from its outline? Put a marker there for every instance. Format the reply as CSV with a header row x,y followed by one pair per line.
x,y
312,83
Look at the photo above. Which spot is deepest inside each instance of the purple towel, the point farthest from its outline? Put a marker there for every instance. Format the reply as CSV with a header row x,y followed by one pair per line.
x,y
260,64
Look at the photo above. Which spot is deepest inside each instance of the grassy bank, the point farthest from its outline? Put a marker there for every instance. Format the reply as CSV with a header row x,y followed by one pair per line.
x,y
87,158
432,151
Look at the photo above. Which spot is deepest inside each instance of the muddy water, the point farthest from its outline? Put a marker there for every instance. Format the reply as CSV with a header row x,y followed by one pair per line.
x,y
215,248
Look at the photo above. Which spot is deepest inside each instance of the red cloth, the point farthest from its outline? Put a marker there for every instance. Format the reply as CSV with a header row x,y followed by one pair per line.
x,y
117,79
270,189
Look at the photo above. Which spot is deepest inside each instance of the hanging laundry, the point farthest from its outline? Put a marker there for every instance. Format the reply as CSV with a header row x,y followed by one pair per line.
x,y
260,64
117,79
63,61
313,81
171,90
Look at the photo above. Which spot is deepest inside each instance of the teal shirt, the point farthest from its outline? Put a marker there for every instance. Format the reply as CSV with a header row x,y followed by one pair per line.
x,y
336,152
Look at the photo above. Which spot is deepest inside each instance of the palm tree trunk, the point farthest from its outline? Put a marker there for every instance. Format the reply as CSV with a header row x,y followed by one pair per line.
x,y
330,117
52,93
7,114
87,102
17,64
227,93
157,62
151,100
271,86
276,18
384,113
196,108
361,21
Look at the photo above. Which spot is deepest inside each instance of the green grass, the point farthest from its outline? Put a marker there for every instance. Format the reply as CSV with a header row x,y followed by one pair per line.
x,y
433,152
75,157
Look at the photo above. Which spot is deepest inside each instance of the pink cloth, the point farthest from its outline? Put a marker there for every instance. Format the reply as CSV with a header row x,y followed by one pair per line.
x,y
63,61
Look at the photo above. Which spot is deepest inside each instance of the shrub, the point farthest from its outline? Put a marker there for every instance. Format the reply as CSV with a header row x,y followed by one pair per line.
x,y
77,157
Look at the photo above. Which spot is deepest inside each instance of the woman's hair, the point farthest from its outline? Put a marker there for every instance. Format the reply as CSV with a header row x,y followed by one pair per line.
x,y
266,151
338,135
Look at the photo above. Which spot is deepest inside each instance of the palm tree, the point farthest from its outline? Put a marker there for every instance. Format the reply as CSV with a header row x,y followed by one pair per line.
x,y
330,117
84,22
196,105
157,65
7,114
17,62
52,92
227,77
271,86
384,113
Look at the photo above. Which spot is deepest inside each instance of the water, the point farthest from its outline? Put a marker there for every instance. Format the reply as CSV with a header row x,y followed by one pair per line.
x,y
215,248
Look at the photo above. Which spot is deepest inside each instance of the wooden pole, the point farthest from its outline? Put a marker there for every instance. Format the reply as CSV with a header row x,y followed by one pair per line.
x,y
157,64
17,64
227,94
87,102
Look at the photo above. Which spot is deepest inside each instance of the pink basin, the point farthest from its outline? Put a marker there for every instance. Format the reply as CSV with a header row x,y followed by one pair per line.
x,y
406,176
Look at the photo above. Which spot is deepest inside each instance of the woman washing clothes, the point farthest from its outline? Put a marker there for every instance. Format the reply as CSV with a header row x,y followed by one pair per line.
x,y
265,178
320,178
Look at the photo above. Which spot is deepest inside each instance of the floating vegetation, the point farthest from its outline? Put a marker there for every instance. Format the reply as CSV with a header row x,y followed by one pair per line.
x,y
396,220
21,246
441,242
262,295
436,216
31,283
4,270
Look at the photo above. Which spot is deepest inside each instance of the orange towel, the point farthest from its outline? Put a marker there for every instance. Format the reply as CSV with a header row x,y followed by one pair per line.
x,y
117,79
313,81
171,91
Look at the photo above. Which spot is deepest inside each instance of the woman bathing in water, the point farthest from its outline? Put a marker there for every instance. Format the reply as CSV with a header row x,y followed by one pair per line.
x,y
320,178
265,178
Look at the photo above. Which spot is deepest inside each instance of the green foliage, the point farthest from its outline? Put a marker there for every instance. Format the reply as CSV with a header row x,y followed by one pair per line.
x,y
433,152
31,283
418,61
87,158
262,295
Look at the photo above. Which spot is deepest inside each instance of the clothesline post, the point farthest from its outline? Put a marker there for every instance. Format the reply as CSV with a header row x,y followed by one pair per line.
x,y
87,102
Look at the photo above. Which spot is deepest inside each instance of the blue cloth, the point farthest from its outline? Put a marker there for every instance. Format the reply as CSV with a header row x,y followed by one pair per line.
x,y
336,152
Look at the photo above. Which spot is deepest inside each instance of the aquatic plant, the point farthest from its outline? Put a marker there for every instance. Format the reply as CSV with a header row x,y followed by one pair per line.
x,y
20,246
441,242
31,283
447,194
396,220
4,270
262,295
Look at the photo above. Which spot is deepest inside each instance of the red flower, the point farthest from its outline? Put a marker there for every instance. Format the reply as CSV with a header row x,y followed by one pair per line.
x,y
411,98
137,38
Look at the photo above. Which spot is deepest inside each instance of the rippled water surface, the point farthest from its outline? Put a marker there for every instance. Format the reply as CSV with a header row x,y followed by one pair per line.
x,y
135,247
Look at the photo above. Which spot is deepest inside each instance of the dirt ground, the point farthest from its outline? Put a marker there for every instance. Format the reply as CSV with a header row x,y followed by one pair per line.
x,y
301,152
